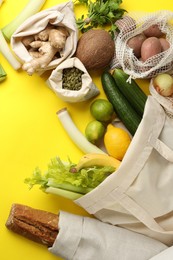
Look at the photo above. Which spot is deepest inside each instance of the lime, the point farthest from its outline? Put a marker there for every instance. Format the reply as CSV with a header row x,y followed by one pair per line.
x,y
94,131
102,110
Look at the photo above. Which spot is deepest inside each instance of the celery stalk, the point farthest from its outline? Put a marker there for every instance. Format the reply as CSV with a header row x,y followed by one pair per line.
x,y
31,8
60,179
2,73
68,186
64,193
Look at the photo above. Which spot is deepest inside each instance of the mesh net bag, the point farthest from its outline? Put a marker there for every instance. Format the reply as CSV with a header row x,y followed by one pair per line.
x,y
165,102
133,24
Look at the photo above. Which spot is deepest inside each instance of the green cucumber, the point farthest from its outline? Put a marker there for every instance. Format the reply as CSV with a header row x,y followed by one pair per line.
x,y
122,107
131,91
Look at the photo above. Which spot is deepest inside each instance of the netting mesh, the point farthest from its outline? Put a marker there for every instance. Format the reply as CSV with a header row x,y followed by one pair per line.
x,y
132,25
166,102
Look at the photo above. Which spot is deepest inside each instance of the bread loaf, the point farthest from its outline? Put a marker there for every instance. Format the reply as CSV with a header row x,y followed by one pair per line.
x,y
34,224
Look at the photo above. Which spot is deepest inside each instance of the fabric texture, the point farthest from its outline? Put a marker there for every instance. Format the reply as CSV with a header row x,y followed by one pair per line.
x,y
164,255
139,195
59,15
87,91
87,239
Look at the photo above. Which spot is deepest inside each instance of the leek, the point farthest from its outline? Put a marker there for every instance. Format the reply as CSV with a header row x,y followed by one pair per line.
x,y
7,53
30,9
5,33
76,136
2,73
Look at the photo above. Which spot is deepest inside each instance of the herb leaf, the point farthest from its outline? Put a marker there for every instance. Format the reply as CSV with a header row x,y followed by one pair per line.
x,y
100,13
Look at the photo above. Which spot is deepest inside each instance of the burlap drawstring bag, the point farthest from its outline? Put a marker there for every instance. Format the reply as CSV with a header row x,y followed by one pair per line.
x,y
59,15
124,57
139,195
88,88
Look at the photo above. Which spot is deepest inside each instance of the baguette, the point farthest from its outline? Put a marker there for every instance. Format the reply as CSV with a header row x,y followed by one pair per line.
x,y
37,225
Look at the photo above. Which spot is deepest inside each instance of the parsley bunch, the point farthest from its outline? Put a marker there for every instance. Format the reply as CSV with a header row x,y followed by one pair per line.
x,y
100,13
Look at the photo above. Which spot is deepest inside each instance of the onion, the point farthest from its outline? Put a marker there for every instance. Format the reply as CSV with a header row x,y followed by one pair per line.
x,y
163,83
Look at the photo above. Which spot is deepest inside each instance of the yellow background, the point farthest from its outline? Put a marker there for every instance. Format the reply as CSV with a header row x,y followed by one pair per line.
x,y
30,134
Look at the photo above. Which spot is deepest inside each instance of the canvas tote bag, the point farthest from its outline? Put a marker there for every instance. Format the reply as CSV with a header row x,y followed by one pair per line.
x,y
139,195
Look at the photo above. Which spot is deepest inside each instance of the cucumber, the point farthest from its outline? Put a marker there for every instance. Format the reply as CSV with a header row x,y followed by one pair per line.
x,y
131,91
122,107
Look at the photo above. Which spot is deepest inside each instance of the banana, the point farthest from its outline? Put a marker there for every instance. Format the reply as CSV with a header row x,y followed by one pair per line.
x,y
94,159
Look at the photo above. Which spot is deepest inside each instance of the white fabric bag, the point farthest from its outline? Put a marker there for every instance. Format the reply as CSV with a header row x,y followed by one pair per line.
x,y
87,91
59,15
139,195
89,239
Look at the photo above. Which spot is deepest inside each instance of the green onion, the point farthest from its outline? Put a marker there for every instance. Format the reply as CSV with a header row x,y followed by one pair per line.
x,y
3,74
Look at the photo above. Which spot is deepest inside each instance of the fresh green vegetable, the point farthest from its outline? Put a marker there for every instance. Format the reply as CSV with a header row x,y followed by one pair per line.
x,y
3,74
122,107
94,131
131,91
100,13
7,53
30,9
64,193
5,33
61,177
76,136
5,50
102,110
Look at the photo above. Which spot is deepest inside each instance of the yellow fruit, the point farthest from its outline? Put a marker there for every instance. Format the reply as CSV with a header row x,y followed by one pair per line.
x,y
93,159
116,141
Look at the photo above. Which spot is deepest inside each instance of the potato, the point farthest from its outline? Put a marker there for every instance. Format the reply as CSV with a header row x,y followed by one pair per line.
x,y
95,49
153,31
164,43
150,47
135,43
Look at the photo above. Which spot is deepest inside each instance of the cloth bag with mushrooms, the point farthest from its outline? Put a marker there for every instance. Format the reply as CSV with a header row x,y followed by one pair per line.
x,y
46,39
71,82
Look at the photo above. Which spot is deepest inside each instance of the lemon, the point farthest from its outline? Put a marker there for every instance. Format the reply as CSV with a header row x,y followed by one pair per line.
x,y
94,131
116,141
102,110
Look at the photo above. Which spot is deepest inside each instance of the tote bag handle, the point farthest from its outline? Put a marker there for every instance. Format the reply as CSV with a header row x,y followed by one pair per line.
x,y
161,148
129,204
107,194
140,213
